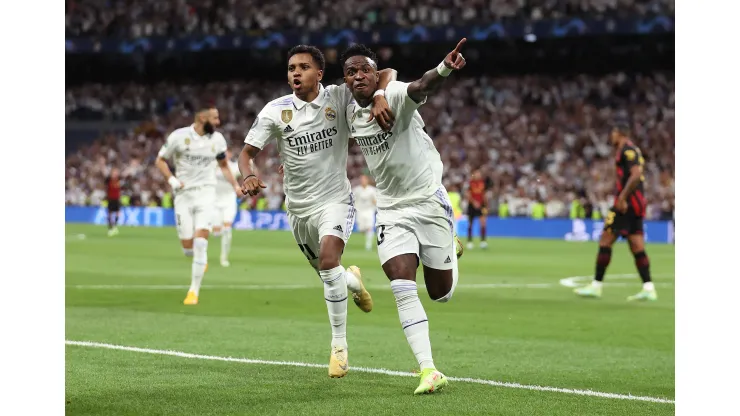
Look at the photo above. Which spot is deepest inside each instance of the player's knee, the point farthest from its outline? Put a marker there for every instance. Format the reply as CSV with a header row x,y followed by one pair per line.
x,y
328,261
401,267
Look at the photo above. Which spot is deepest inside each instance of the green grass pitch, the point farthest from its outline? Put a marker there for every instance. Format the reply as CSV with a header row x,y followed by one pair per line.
x,y
511,320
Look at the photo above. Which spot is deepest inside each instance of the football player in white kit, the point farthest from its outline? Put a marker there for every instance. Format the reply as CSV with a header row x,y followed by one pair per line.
x,y
415,219
365,203
312,140
196,150
225,210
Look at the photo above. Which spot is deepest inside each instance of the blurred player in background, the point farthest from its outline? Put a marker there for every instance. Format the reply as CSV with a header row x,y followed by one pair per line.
x,y
113,196
196,150
226,205
477,207
415,219
312,139
365,204
625,219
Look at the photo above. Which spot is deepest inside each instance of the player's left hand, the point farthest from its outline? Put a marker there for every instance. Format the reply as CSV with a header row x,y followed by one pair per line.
x,y
238,190
381,112
621,205
455,59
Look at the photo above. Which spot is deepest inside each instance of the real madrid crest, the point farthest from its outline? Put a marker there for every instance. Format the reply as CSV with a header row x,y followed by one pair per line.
x,y
330,114
187,141
286,116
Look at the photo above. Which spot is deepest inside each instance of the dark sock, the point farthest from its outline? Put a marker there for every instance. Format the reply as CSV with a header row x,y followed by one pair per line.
x,y
470,231
111,221
483,233
602,262
643,266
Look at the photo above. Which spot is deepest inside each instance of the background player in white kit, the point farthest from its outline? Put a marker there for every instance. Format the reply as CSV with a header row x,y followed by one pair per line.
x,y
415,219
312,139
226,206
195,150
365,204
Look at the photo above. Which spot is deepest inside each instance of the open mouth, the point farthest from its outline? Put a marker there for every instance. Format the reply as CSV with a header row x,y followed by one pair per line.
x,y
360,86
296,83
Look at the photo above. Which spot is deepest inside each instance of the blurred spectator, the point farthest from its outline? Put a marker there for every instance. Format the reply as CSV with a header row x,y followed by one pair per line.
x,y
140,18
537,138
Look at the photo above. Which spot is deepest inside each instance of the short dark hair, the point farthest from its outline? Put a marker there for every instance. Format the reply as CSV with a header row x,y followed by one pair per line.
x,y
315,53
357,49
622,125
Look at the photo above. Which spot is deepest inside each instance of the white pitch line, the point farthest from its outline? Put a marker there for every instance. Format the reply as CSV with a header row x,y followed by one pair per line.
x,y
293,287
563,282
494,383
576,281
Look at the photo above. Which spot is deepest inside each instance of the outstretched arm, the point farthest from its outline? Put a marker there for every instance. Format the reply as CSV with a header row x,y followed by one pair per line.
x,y
433,79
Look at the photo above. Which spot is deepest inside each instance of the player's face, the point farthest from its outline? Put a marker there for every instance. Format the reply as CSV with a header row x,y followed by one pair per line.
x,y
210,120
614,137
361,76
476,175
303,73
114,173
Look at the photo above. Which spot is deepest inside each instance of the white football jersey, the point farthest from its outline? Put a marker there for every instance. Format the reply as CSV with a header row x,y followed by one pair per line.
x,y
223,187
404,162
312,140
364,198
194,156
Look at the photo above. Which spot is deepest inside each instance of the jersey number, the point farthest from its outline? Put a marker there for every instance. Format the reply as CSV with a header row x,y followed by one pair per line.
x,y
381,235
610,218
307,252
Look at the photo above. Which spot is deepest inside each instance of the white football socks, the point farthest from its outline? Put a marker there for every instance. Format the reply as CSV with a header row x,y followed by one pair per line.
x,y
369,237
225,243
413,321
335,294
200,260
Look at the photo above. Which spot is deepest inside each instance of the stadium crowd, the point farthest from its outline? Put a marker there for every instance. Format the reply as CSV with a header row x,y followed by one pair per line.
x,y
538,138
138,18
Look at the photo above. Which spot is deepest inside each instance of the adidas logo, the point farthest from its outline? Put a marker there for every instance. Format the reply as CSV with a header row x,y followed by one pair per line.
x,y
448,260
288,129
339,228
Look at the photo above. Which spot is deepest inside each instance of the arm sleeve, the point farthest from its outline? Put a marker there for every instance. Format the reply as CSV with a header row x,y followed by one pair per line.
x,y
630,157
169,147
340,94
399,100
262,131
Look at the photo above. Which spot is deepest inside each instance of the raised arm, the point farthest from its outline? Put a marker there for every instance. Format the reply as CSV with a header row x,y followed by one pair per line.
x,y
433,79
